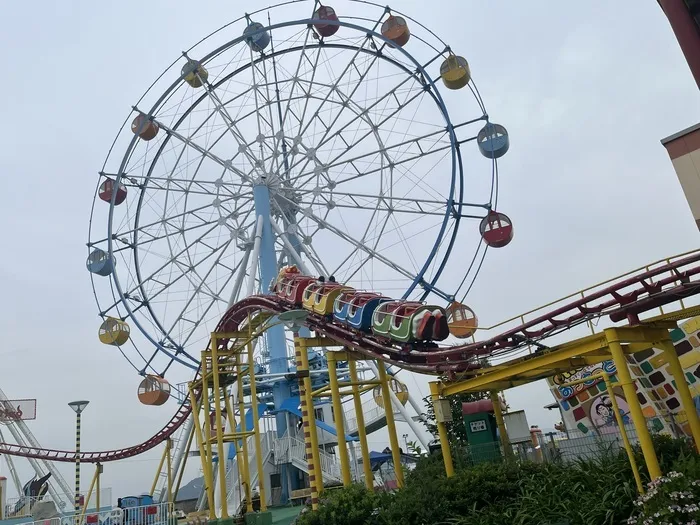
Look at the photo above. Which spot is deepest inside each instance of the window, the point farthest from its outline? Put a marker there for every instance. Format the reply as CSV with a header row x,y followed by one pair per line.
x,y
318,414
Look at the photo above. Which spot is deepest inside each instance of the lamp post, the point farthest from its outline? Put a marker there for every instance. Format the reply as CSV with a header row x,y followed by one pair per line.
x,y
78,407
405,442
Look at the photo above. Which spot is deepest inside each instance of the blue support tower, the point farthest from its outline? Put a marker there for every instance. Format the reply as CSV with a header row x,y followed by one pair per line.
x,y
276,343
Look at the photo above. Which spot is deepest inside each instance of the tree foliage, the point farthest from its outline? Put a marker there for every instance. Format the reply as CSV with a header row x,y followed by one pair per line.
x,y
456,431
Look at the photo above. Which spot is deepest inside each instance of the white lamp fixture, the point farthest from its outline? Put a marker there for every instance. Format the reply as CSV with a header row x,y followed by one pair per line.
x,y
78,406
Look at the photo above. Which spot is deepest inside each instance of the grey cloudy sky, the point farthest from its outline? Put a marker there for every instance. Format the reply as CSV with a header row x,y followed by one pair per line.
x,y
586,92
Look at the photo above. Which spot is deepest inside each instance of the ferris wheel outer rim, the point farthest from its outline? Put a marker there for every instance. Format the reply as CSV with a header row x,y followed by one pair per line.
x,y
435,93
204,97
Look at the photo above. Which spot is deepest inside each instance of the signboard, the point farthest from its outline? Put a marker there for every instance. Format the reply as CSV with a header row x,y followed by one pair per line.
x,y
16,409
477,426
517,426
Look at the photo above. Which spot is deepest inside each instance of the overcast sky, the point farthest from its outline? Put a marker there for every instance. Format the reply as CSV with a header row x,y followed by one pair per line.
x,y
586,92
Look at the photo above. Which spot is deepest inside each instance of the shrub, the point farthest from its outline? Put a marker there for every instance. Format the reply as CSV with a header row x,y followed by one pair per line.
x,y
354,505
591,492
671,499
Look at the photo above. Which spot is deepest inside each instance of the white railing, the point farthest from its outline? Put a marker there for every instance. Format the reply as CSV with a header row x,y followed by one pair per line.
x,y
235,491
289,449
23,506
371,412
156,514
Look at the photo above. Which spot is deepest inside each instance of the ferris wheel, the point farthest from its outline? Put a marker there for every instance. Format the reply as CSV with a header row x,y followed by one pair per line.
x,y
348,140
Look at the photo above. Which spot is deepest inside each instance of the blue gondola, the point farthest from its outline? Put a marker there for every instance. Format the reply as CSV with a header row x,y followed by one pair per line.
x,y
257,41
493,141
100,262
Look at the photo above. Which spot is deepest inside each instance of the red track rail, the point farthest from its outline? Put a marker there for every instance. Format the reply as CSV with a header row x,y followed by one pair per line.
x,y
626,298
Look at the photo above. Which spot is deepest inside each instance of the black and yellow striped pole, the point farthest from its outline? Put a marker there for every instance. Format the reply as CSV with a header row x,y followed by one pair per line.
x,y
78,407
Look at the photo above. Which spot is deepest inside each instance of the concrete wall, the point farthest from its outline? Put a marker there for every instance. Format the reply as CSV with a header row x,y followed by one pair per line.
x,y
684,150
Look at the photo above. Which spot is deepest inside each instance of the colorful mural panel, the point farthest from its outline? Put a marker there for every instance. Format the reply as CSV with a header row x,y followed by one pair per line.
x,y
586,407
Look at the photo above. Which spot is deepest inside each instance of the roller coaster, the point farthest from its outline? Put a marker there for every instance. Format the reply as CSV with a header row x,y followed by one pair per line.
x,y
626,297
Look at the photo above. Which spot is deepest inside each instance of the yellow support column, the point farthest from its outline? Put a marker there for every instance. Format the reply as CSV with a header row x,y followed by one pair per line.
x,y
623,432
339,423
221,463
256,430
390,425
442,430
498,413
361,433
206,406
640,425
158,471
97,487
244,440
168,452
309,421
206,462
242,475
683,390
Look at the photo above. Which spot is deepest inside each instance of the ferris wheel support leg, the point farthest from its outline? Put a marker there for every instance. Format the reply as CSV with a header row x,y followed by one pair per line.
x,y
390,425
276,342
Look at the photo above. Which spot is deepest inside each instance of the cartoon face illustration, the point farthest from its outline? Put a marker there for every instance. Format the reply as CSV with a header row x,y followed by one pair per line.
x,y
602,413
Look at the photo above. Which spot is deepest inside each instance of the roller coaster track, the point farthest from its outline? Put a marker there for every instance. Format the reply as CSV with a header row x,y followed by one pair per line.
x,y
624,298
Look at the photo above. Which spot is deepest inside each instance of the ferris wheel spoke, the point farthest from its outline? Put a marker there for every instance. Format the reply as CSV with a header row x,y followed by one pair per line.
x,y
355,143
392,92
330,92
204,151
364,239
231,123
335,89
170,260
438,208
423,151
295,81
173,281
357,244
216,295
145,227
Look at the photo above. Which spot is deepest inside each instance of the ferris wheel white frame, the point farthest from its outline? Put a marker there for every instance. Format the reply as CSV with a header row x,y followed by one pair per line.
x,y
265,228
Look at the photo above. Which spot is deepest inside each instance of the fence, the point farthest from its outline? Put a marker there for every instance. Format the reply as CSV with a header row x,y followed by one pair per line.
x,y
574,445
23,506
157,514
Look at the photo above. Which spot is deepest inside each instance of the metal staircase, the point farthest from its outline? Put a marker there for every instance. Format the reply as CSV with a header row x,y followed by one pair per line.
x,y
235,489
290,449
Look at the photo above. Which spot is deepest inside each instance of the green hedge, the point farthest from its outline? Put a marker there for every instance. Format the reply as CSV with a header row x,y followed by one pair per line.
x,y
583,493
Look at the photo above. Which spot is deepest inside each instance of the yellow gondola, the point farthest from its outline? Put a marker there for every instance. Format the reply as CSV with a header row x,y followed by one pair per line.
x,y
114,332
397,387
461,320
195,73
455,72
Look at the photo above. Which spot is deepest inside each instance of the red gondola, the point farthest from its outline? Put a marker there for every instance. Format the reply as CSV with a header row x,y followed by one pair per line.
x,y
106,190
496,229
326,13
